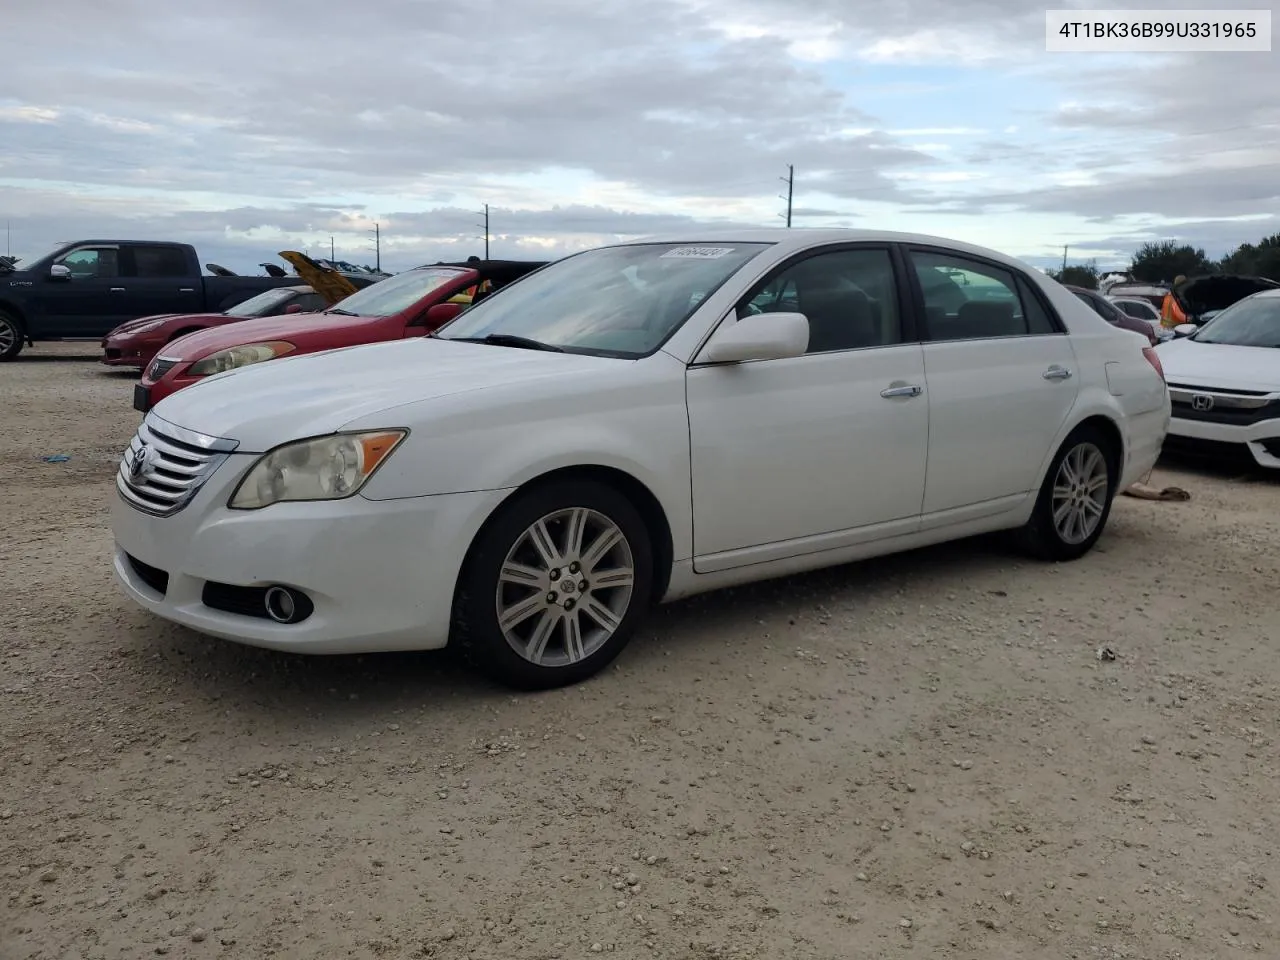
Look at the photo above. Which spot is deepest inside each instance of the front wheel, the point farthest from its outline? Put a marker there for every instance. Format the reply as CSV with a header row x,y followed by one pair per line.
x,y
11,337
555,585
1075,501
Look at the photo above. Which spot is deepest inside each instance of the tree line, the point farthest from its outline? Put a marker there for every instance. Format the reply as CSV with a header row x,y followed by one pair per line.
x,y
1162,262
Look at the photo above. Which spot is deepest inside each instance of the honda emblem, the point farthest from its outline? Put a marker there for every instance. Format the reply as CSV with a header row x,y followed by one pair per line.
x,y
1201,402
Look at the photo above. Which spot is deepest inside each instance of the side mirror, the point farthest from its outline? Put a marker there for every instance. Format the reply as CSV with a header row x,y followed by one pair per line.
x,y
1185,329
59,271
439,314
293,308
762,336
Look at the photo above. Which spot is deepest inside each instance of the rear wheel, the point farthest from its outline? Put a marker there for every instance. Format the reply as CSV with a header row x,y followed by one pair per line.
x,y
11,336
555,585
1075,501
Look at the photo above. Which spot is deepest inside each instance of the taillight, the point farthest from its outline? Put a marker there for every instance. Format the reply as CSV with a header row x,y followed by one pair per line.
x,y
1154,360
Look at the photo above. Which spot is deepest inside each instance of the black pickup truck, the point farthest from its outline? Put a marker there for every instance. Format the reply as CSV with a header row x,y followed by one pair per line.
x,y
85,289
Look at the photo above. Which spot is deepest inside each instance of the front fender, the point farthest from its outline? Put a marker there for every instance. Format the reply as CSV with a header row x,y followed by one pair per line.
x,y
467,443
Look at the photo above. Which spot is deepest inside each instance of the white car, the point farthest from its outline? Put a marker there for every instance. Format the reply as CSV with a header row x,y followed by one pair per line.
x,y
630,425
1140,309
1224,380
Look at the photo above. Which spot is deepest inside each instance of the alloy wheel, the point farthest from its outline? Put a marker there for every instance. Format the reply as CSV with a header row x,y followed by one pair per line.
x,y
8,335
1080,493
565,587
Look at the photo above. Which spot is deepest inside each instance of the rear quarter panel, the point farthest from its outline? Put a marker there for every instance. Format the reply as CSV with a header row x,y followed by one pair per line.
x,y
1116,382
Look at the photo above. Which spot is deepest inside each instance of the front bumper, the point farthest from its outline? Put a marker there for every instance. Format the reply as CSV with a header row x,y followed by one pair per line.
x,y
124,353
380,574
1261,440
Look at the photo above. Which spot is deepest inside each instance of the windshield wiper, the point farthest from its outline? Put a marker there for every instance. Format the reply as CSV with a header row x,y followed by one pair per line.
x,y
342,313
509,340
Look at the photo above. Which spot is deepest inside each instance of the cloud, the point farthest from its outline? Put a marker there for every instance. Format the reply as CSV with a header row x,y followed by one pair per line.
x,y
242,125
417,94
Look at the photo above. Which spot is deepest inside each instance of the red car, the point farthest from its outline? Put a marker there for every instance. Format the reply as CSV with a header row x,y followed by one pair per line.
x,y
135,343
409,304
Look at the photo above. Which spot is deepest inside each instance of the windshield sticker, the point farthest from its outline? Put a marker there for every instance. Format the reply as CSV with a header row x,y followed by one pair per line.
x,y
696,253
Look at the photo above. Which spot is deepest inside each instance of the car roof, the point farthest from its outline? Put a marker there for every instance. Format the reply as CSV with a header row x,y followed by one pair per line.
x,y
795,239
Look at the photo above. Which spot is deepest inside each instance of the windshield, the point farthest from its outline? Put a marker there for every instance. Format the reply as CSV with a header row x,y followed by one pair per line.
x,y
262,304
622,301
1249,323
397,293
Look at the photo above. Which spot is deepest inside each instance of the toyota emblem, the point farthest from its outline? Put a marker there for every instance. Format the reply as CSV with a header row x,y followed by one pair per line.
x,y
1201,402
138,462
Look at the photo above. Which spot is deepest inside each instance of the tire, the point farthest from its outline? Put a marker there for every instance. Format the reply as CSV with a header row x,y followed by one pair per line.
x,y
1089,455
12,336
562,640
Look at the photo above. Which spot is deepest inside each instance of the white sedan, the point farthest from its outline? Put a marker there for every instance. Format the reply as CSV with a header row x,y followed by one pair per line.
x,y
1224,380
631,425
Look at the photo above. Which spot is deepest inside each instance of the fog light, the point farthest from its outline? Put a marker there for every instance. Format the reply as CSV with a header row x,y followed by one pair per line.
x,y
282,606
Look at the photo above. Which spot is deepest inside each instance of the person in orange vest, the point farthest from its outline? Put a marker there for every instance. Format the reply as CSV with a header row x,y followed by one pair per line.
x,y
1170,313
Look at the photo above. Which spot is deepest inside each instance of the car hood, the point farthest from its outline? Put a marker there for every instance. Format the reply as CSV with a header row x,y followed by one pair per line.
x,y
270,403
1220,365
303,330
132,325
1218,291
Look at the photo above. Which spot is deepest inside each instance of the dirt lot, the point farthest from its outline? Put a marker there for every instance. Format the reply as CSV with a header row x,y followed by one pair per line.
x,y
915,757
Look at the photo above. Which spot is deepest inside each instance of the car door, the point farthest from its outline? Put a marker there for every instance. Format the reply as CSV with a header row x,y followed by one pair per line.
x,y
1000,369
88,302
158,279
795,455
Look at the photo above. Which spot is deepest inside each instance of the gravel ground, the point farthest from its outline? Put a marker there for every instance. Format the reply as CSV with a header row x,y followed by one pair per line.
x,y
913,757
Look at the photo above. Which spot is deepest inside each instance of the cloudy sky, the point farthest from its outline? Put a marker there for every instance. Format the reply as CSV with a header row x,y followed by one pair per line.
x,y
247,127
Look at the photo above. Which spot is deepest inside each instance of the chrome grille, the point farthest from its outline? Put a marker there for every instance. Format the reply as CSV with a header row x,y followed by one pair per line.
x,y
1192,388
166,465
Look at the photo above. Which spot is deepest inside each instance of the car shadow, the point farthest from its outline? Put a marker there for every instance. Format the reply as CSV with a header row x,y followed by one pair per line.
x,y
1240,468
375,687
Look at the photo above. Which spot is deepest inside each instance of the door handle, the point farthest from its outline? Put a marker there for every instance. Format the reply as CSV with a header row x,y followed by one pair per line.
x,y
117,289
186,289
1057,373
903,391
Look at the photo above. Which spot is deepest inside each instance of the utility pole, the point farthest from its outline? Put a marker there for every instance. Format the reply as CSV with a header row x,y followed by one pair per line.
x,y
790,181
1064,257
377,247
486,231
7,250
331,256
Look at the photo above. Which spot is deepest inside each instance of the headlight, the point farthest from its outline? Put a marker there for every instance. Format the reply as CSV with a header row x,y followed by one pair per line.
x,y
233,357
323,468
140,328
